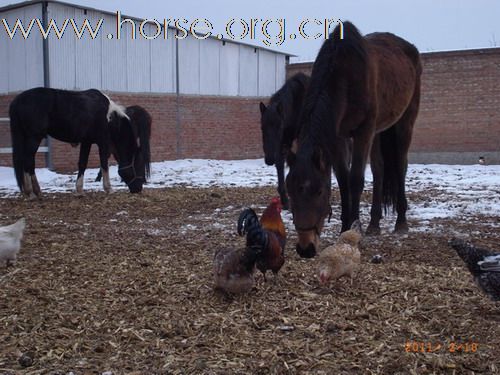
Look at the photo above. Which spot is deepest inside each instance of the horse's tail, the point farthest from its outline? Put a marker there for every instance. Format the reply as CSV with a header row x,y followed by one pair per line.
x,y
390,185
17,146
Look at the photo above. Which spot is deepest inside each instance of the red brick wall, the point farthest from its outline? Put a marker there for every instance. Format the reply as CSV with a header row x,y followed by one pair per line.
x,y
459,116
460,106
211,127
5,139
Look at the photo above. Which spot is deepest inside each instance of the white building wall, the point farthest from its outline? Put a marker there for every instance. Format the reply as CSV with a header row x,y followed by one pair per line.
x,y
280,71
267,73
163,75
209,67
206,67
248,76
138,62
189,65
88,58
21,60
229,70
62,51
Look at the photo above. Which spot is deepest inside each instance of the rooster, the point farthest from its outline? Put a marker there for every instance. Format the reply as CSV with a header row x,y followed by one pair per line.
x,y
483,264
268,236
342,258
234,269
10,241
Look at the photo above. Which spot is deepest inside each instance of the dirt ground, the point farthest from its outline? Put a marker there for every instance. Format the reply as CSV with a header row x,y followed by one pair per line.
x,y
121,283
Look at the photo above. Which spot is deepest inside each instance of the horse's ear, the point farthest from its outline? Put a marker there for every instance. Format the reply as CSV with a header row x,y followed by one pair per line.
x,y
138,141
262,107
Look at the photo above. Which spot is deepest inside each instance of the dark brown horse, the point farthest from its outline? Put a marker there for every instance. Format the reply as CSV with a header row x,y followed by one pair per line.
x,y
367,89
280,126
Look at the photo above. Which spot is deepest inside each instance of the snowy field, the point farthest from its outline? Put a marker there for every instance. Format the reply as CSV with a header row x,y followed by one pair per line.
x,y
448,191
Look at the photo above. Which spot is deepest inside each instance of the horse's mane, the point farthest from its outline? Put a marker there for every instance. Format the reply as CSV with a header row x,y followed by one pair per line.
x,y
287,94
343,53
142,120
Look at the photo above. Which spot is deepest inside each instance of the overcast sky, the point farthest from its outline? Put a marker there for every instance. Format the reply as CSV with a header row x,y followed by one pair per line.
x,y
432,25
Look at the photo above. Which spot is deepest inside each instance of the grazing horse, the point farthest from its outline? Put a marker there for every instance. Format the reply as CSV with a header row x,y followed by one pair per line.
x,y
141,124
280,126
84,117
364,88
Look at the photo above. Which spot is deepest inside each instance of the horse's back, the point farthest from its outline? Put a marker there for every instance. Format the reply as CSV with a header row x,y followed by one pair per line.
x,y
396,45
397,67
63,114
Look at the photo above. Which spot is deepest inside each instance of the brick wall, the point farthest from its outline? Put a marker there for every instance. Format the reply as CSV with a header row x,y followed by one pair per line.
x,y
459,118
211,127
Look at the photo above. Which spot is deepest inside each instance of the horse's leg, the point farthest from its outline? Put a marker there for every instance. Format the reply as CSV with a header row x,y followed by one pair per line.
x,y
36,186
377,167
361,147
30,190
103,157
404,129
82,165
280,170
341,169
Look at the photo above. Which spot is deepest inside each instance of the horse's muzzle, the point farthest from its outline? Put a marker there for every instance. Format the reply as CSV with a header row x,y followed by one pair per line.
x,y
135,187
308,243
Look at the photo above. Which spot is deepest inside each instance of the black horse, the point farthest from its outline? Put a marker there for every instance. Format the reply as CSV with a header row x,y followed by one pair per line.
x,y
84,117
141,123
280,126
367,89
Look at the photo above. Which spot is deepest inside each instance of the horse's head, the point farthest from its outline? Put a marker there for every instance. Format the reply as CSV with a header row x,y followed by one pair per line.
x,y
272,126
309,185
132,147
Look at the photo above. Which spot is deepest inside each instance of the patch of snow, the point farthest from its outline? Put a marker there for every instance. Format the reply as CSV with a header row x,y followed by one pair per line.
x,y
450,191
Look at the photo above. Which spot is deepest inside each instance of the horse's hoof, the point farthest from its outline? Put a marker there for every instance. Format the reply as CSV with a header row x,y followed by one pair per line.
x,y
372,230
401,228
309,252
79,194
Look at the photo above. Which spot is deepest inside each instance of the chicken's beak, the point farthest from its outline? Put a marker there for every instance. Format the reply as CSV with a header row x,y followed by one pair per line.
x,y
323,279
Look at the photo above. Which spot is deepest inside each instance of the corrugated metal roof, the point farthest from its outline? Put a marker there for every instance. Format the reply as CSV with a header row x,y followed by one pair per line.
x,y
77,6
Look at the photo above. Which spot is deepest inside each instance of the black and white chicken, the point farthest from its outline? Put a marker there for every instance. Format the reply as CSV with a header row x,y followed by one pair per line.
x,y
483,264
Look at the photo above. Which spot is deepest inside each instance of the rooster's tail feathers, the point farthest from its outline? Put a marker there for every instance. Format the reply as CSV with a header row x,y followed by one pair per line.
x,y
248,223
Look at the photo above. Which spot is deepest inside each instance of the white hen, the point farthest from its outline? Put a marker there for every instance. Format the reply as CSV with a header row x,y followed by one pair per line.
x,y
10,241
343,258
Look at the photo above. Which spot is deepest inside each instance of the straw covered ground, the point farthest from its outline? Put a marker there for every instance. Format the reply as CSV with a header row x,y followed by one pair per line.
x,y
122,284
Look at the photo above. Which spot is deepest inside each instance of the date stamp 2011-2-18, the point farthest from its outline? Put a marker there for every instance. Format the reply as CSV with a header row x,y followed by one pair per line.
x,y
435,347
